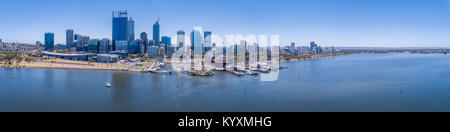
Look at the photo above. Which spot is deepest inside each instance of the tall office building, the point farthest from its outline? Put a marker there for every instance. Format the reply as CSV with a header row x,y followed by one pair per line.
x,y
1,41
121,46
144,38
141,46
153,51
120,27
104,46
156,33
79,42
93,46
134,47
151,43
313,48
197,41
38,43
49,41
85,43
69,38
180,39
208,42
292,48
170,50
197,48
130,31
166,42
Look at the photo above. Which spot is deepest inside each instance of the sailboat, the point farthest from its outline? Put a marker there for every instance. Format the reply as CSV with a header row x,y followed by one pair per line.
x,y
108,84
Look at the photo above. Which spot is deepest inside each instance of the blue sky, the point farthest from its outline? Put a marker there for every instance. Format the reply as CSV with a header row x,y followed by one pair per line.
x,y
366,23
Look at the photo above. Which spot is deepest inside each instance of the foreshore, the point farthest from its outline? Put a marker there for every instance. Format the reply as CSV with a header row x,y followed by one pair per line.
x,y
65,64
83,65
285,59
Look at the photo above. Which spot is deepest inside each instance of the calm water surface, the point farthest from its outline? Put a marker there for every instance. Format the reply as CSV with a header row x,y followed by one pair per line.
x,y
360,82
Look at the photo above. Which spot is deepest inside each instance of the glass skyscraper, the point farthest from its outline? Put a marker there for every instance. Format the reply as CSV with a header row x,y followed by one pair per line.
x,y
79,42
180,39
166,41
49,41
120,27
156,35
85,43
144,38
197,48
207,45
197,41
130,31
69,38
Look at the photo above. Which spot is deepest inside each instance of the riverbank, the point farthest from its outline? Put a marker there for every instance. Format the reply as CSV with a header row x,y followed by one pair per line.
x,y
64,64
285,59
82,65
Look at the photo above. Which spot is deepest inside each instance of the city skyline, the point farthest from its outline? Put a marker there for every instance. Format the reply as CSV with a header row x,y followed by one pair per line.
x,y
401,23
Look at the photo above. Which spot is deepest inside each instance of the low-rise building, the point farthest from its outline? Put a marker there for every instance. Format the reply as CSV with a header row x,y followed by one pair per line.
x,y
108,58
77,57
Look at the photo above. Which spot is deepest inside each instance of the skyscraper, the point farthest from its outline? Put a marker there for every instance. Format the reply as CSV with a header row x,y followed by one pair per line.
x,y
120,27
292,48
144,38
313,48
49,41
69,38
196,41
141,46
79,42
85,43
166,42
180,39
197,48
156,35
130,31
208,43
151,43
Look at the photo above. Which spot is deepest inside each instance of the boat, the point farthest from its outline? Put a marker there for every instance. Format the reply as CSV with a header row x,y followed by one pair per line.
x,y
236,73
220,69
108,84
124,69
249,72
